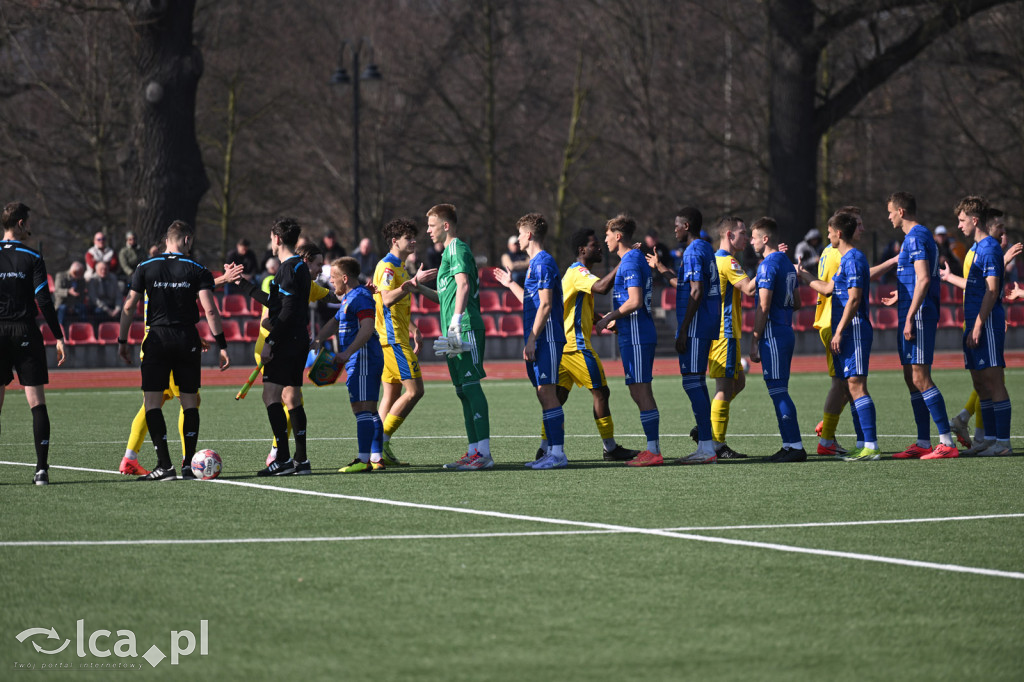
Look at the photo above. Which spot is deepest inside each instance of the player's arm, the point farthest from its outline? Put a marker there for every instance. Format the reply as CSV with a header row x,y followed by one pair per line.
x,y
852,304
662,269
696,296
823,288
504,278
367,326
634,300
541,319
922,279
605,284
461,294
1012,253
883,267
216,327
292,306
127,316
764,304
327,330
45,301
232,271
992,294
946,275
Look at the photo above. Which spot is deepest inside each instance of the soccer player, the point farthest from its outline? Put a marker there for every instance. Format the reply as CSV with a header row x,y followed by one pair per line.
x,y
631,315
851,331
362,358
458,286
171,283
401,362
580,363
544,335
774,341
985,324
917,294
285,349
23,284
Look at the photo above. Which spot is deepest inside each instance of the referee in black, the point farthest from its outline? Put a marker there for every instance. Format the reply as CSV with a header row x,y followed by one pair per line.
x,y
171,283
22,285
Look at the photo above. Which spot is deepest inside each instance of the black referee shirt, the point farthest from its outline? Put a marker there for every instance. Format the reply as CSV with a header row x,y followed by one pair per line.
x,y
289,300
171,283
23,284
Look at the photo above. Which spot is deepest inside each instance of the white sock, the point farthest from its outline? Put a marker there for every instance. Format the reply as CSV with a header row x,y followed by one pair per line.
x,y
860,444
609,444
472,449
871,445
374,457
946,439
706,446
979,433
793,446
364,457
963,416
130,454
652,446
484,447
826,443
556,451
544,444
926,444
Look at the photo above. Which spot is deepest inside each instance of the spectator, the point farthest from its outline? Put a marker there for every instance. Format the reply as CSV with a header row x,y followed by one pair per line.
x,y
69,292
367,260
130,255
104,294
946,255
99,251
331,248
516,261
809,250
243,255
270,268
658,249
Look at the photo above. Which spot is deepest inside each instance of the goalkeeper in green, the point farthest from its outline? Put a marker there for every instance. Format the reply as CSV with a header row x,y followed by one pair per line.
x,y
458,287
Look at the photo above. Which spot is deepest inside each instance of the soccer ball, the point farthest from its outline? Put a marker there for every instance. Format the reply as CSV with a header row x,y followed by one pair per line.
x,y
206,465
745,364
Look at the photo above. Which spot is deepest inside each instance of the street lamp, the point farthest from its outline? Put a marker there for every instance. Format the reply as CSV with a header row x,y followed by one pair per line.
x,y
341,77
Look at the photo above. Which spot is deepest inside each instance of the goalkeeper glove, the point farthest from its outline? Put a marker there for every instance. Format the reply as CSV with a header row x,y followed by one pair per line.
x,y
441,346
455,335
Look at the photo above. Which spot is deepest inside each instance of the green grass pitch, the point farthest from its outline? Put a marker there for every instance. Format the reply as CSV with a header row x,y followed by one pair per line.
x,y
408,596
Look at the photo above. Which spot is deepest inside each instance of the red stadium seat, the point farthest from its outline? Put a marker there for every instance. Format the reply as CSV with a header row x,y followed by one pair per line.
x,y
747,324
1015,316
255,308
958,295
879,292
429,327
945,294
747,301
80,333
886,318
48,338
136,333
234,305
487,278
490,301
668,298
511,325
803,319
490,327
204,330
232,331
414,304
511,304
252,330
108,332
947,318
428,306
960,316
808,297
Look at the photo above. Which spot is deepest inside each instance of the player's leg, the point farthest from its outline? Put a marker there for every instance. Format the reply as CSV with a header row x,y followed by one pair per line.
x,y
721,367
993,378
835,401
273,396
185,380
692,365
597,383
36,397
467,368
862,403
961,422
922,420
365,431
406,371
934,403
291,397
544,375
638,363
778,350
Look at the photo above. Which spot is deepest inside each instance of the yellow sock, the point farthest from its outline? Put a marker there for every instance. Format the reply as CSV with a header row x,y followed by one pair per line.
x,y
719,419
543,432
829,422
181,430
978,423
139,431
391,424
972,403
605,427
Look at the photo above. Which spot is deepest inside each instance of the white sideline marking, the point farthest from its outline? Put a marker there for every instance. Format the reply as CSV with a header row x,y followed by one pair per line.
x,y
605,527
827,524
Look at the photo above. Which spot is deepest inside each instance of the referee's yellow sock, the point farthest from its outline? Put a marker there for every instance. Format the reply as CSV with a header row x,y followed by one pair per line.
x,y
719,420
829,422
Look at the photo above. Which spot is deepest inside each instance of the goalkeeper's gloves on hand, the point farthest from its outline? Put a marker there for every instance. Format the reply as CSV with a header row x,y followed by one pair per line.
x,y
441,346
455,335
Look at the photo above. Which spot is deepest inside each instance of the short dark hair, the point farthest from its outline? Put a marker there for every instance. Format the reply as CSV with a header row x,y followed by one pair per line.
x,y
445,213
535,223
287,230
243,242
580,238
693,218
398,228
767,225
348,265
904,200
14,212
729,222
308,251
623,224
178,230
845,223
855,210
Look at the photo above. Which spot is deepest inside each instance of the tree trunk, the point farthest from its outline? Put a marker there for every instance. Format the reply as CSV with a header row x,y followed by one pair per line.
x,y
169,177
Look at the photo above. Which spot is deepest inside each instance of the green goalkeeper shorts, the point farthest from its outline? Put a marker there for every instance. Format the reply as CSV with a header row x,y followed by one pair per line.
x,y
468,366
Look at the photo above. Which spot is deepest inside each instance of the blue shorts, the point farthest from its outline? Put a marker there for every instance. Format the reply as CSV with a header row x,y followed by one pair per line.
x,y
695,360
777,352
363,373
989,352
855,349
921,349
637,362
543,371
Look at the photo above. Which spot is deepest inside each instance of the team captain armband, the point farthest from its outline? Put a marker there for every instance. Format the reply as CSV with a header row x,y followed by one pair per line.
x,y
369,313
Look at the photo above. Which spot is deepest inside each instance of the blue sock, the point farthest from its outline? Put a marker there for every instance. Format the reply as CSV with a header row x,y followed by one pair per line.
x,y
921,418
650,421
554,424
857,428
866,409
1002,419
937,408
785,410
364,433
377,443
697,390
988,418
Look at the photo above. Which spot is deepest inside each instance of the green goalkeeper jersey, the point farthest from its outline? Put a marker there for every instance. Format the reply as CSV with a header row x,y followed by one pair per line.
x,y
458,258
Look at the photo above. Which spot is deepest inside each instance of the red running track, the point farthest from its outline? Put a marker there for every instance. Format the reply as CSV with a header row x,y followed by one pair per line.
x,y
129,377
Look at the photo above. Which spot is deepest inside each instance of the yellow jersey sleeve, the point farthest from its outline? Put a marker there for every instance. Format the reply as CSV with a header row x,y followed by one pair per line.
x,y
730,273
828,266
577,307
392,321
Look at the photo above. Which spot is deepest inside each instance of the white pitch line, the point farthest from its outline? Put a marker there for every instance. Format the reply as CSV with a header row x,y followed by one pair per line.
x,y
622,529
829,524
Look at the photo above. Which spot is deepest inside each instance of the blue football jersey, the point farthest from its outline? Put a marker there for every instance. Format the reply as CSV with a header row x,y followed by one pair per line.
x,y
988,262
778,275
357,305
918,244
543,274
854,273
638,327
699,265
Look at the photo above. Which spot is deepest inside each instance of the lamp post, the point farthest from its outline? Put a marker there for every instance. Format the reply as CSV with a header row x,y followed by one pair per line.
x,y
341,77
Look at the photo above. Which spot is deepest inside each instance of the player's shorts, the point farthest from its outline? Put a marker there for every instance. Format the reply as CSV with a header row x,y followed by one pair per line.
x,y
826,338
363,372
724,361
989,352
287,364
468,366
921,349
583,368
695,359
855,349
22,349
777,352
637,362
171,349
543,371
400,364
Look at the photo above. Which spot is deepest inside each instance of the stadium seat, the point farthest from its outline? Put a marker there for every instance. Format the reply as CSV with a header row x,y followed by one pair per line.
x,y
490,327
747,324
252,330
668,298
803,319
428,306
414,304
80,333
808,297
511,325
232,332
1015,316
48,338
879,292
487,278
747,302
490,301
204,330
234,305
947,318
136,333
945,294
960,316
511,304
429,327
886,318
255,308
958,295
108,332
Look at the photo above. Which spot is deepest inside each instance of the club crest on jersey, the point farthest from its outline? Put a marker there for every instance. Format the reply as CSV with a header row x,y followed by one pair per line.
x,y
735,266
584,271
389,277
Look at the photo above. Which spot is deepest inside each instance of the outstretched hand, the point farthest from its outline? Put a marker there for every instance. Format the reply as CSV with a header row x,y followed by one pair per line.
x,y
504,276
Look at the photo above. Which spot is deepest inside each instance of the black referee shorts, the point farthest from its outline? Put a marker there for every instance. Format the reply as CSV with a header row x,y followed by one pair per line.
x,y
172,349
21,349
288,363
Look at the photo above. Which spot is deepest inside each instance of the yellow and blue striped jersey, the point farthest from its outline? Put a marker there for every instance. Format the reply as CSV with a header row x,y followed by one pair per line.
x,y
392,321
828,266
729,275
577,307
